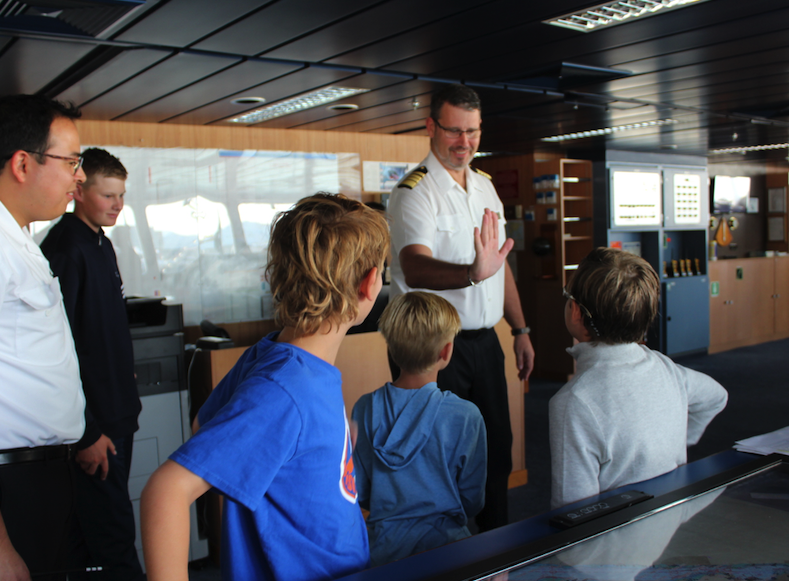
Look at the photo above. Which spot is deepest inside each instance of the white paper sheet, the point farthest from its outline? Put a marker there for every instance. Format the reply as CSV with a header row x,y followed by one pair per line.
x,y
777,441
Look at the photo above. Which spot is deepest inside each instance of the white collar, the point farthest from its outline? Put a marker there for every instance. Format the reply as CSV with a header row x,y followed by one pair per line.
x,y
11,227
443,178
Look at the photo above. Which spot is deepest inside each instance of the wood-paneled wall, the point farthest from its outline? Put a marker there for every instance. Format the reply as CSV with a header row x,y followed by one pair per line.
x,y
369,146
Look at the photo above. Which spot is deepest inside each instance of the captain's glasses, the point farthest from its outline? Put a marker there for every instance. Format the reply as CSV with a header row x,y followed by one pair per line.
x,y
74,162
454,132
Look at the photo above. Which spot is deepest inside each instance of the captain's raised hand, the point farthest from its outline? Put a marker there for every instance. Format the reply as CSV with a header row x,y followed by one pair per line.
x,y
489,256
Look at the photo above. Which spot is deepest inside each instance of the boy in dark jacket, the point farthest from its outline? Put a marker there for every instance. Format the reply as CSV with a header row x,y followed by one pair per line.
x,y
83,258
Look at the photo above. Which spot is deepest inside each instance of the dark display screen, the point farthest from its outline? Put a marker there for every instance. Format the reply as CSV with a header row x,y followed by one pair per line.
x,y
739,531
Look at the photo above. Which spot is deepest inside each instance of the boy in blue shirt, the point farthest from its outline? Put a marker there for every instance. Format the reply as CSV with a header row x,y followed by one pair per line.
x,y
420,453
273,436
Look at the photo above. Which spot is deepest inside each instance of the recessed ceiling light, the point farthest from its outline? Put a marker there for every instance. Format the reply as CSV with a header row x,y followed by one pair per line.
x,y
248,101
749,148
609,130
613,13
297,103
343,107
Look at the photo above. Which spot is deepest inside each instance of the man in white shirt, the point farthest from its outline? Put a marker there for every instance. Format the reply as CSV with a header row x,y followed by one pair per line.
x,y
42,407
447,224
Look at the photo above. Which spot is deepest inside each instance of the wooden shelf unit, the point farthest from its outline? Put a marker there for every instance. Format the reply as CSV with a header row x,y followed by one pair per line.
x,y
570,233
566,223
779,178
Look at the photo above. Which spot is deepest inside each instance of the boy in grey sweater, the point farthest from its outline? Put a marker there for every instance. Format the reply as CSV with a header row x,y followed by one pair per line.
x,y
629,413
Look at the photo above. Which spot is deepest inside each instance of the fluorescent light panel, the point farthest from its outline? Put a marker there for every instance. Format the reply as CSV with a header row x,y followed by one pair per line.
x,y
297,103
608,130
748,148
613,13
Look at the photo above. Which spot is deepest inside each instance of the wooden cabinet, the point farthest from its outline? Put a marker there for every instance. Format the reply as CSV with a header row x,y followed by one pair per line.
x,y
364,366
781,296
752,305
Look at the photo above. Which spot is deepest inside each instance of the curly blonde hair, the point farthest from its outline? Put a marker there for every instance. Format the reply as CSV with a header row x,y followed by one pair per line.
x,y
319,253
416,326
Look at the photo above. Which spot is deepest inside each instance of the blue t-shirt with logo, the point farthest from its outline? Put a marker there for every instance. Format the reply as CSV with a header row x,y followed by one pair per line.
x,y
274,440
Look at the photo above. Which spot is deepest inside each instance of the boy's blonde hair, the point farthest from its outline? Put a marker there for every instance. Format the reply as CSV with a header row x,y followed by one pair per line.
x,y
618,293
319,253
416,327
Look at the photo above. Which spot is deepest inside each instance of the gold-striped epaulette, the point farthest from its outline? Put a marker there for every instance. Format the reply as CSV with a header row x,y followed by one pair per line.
x,y
413,178
482,173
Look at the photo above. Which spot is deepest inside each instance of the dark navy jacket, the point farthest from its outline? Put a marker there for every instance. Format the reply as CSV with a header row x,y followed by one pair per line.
x,y
85,263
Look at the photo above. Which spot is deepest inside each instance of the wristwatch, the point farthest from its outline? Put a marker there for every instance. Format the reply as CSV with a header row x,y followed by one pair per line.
x,y
468,276
521,331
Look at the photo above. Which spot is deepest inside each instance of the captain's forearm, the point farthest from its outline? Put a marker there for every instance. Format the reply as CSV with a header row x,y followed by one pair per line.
x,y
433,274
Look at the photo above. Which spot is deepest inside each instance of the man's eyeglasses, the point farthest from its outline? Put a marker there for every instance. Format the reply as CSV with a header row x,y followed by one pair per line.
x,y
74,162
584,310
454,132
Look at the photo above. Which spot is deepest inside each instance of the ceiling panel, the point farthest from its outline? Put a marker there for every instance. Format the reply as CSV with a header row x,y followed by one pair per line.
x,y
111,74
216,87
348,121
170,75
382,90
452,31
183,22
407,128
739,69
387,20
705,44
537,44
388,121
279,23
293,84
725,58
27,66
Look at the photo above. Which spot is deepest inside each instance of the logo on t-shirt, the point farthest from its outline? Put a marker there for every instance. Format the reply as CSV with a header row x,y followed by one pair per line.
x,y
347,474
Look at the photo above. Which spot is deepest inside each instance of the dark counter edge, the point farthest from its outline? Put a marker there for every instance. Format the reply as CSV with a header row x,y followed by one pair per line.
x,y
497,550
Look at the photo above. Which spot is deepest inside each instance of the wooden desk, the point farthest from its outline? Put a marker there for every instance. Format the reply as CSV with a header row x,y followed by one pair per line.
x,y
363,363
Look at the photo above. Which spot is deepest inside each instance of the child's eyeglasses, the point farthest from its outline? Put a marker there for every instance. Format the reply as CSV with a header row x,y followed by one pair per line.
x,y
587,313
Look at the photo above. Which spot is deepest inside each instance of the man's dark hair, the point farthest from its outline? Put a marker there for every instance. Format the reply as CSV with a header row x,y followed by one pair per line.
x,y
457,95
101,162
25,121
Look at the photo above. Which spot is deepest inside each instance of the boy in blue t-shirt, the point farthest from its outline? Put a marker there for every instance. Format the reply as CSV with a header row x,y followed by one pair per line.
x,y
421,453
273,437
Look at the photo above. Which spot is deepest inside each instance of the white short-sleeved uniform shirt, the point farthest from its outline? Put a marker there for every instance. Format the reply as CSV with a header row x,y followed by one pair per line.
x,y
441,215
41,399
